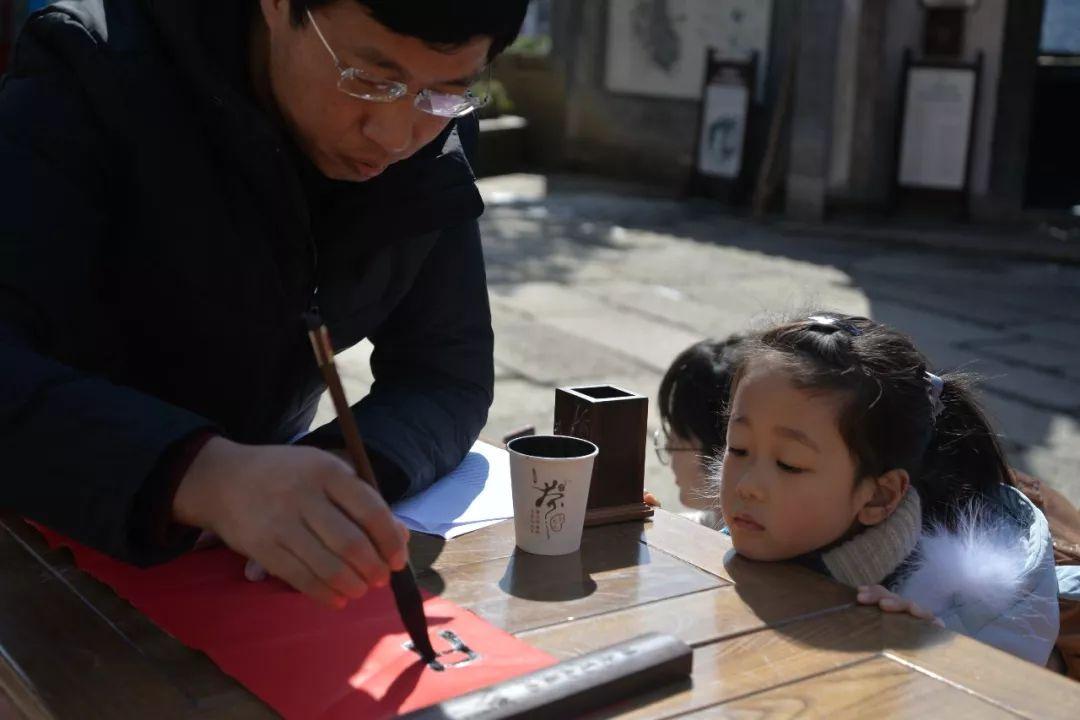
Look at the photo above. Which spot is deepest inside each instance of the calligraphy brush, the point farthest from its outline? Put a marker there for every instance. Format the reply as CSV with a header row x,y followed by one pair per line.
x,y
406,595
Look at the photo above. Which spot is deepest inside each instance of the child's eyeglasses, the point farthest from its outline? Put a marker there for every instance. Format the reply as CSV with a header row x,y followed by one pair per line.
x,y
663,450
362,86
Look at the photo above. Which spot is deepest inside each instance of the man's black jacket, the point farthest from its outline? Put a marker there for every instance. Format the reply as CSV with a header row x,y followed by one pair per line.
x,y
159,242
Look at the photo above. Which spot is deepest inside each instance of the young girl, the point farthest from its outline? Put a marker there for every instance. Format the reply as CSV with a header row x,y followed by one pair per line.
x,y
844,452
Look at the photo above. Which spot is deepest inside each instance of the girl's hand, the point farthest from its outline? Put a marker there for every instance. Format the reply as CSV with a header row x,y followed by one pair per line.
x,y
893,603
650,499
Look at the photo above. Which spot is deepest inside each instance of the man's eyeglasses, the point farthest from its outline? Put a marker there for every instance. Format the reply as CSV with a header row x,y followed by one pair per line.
x,y
663,450
363,86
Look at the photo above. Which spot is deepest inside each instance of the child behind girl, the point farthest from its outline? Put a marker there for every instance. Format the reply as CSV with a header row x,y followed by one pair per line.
x,y
844,452
691,400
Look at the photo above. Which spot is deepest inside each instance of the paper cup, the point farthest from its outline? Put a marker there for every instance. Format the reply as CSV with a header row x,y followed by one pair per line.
x,y
549,478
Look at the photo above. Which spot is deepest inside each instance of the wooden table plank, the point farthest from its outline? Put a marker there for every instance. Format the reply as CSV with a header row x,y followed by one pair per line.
x,y
703,547
755,662
614,570
874,688
198,679
80,666
692,542
1005,680
430,553
18,700
778,592
764,594
696,619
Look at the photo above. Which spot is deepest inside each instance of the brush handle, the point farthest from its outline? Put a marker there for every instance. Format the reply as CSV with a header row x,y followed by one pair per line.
x,y
407,596
354,445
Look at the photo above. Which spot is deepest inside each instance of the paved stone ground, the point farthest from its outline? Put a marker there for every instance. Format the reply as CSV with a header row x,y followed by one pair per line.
x,y
591,283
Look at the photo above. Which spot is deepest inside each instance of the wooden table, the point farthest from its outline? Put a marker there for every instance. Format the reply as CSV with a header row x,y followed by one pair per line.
x,y
770,640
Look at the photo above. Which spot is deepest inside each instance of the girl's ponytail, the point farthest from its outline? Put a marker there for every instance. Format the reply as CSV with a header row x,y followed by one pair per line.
x,y
963,458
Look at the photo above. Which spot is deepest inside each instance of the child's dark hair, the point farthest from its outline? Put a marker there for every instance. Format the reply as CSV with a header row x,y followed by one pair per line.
x,y
694,392
891,417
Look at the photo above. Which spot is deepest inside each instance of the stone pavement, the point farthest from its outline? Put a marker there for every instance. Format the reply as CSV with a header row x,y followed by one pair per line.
x,y
593,284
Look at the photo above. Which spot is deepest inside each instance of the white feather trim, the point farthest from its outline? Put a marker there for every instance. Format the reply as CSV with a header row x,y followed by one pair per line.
x,y
983,561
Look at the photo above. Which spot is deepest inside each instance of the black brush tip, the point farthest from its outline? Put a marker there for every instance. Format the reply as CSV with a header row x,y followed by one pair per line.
x,y
411,608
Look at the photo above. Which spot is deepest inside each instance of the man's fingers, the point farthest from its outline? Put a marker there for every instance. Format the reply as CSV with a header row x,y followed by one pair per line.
x,y
345,538
330,569
367,508
206,540
254,572
281,563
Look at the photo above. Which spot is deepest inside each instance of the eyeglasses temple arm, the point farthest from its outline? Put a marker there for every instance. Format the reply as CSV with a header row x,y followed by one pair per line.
x,y
311,19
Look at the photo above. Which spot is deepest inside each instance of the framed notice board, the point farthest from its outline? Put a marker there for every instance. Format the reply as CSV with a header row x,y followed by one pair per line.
x,y
720,148
937,125
654,47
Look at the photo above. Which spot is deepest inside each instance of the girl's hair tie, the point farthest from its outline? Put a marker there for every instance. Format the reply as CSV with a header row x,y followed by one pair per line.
x,y
832,323
934,386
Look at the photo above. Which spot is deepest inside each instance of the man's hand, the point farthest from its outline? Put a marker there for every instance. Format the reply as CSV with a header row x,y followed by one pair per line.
x,y
299,512
893,603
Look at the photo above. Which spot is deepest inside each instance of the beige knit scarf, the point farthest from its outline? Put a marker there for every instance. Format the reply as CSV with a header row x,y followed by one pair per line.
x,y
869,557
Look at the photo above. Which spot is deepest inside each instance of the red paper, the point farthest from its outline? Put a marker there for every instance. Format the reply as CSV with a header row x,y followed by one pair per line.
x,y
303,660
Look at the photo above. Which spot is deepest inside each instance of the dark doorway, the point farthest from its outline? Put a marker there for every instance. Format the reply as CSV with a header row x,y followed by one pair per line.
x,y
1053,178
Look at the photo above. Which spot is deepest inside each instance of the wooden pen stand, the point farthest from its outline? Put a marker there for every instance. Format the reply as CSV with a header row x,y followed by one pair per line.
x,y
615,420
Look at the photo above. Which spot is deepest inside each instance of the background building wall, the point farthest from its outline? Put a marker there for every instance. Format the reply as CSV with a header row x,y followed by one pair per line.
x,y
840,139
638,136
873,38
620,134
986,34
813,110
846,96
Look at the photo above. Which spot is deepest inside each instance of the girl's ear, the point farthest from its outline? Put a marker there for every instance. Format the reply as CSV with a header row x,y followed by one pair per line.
x,y
888,490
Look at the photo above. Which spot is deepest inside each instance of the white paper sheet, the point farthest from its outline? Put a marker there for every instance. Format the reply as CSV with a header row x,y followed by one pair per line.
x,y
474,495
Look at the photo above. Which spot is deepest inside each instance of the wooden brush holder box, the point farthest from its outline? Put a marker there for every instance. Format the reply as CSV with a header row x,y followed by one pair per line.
x,y
615,420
